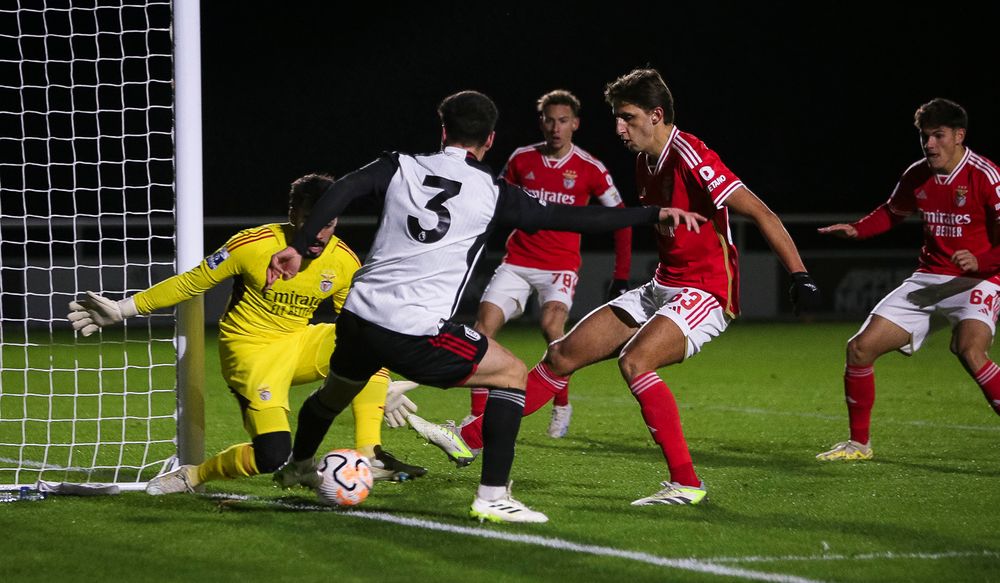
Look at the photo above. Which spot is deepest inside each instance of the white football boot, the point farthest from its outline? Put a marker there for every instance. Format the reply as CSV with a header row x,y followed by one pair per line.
x,y
183,479
674,493
504,509
446,437
559,424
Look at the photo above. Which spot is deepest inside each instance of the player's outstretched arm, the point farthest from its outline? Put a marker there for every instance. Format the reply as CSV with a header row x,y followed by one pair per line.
x,y
675,217
804,293
841,230
876,222
746,203
94,312
284,264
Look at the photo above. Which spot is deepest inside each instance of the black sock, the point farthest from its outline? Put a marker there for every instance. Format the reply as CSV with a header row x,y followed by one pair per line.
x,y
501,422
315,419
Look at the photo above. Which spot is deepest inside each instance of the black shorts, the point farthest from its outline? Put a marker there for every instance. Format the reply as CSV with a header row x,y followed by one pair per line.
x,y
446,359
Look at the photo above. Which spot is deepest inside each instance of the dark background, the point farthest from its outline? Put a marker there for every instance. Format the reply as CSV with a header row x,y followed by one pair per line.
x,y
811,107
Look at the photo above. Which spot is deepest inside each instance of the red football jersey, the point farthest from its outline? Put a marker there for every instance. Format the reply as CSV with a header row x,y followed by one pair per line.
x,y
690,176
571,180
960,210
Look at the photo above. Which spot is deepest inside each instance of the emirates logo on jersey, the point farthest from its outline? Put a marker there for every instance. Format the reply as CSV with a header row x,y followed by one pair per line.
x,y
960,195
569,179
326,284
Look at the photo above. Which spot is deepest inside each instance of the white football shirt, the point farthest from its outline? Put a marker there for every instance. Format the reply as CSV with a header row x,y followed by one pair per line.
x,y
439,210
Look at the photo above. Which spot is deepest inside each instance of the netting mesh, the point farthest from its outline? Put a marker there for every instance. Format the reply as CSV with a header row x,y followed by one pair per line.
x,y
86,203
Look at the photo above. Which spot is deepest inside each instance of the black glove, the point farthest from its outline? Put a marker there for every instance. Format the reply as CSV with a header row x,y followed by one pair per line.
x,y
617,288
804,294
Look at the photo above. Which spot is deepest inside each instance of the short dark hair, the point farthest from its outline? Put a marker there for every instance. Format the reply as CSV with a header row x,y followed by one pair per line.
x,y
468,118
559,97
940,112
307,190
644,88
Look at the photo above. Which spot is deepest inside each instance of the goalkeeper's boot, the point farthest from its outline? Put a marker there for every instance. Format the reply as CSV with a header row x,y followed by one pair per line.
x,y
302,473
559,424
183,479
385,466
674,493
504,509
445,437
847,451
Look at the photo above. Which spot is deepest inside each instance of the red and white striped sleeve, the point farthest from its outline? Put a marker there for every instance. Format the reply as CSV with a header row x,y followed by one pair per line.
x,y
712,175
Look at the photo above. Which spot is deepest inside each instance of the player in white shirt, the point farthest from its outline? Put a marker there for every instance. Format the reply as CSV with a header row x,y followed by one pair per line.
x,y
438,212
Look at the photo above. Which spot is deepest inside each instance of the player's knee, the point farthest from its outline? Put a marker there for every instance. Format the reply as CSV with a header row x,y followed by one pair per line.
x,y
630,367
857,353
518,373
972,356
558,360
270,450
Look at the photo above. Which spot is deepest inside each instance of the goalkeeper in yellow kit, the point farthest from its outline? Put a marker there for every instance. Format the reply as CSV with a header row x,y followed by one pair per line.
x,y
266,343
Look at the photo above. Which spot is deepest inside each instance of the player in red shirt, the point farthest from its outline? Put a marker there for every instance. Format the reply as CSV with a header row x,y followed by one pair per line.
x,y
693,295
957,194
546,262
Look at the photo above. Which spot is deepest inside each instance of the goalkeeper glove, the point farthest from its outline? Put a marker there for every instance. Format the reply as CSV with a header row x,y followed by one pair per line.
x,y
804,294
397,405
617,288
95,312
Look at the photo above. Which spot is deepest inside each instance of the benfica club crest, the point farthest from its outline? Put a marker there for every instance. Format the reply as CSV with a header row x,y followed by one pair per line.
x,y
326,284
569,179
960,193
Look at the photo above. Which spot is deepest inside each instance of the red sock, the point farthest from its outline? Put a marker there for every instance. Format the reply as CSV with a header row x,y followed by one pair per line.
x,y
659,409
472,433
562,397
478,406
988,378
542,385
859,391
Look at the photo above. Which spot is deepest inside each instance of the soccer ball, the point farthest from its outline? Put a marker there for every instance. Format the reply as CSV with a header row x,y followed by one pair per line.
x,y
347,478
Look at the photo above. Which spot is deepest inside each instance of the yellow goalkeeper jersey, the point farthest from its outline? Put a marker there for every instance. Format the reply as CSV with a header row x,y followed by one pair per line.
x,y
286,307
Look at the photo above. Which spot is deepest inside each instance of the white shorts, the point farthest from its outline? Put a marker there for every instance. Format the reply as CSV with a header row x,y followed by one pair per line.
x,y
697,313
911,305
511,285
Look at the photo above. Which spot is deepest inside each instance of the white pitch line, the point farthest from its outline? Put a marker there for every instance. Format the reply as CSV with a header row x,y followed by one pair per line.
x,y
548,542
859,557
759,411
34,464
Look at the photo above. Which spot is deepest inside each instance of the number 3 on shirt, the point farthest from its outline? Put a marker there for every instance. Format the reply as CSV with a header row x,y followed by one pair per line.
x,y
449,189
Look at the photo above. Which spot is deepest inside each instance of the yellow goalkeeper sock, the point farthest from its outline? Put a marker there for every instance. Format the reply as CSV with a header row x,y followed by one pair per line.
x,y
234,462
368,407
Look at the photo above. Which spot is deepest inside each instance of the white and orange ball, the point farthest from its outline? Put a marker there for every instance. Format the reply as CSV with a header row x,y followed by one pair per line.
x,y
347,478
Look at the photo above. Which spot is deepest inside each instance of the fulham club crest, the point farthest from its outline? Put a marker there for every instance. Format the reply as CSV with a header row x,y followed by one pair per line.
x,y
960,193
569,179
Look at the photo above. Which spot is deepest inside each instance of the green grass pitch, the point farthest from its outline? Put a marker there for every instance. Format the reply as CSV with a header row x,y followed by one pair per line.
x,y
756,405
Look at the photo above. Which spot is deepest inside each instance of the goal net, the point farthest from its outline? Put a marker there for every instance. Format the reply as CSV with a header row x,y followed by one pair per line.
x,y
86,203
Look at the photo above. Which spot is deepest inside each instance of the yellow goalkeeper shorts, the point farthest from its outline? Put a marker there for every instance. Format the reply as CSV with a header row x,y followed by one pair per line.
x,y
262,370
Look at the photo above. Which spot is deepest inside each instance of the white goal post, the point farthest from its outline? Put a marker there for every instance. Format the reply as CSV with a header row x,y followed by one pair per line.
x,y
92,197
